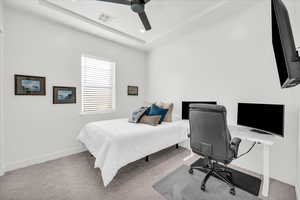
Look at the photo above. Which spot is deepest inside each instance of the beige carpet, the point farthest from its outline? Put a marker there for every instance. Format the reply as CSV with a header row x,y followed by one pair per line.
x,y
74,178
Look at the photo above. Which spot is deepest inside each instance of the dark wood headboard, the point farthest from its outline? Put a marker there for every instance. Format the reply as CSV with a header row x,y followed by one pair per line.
x,y
186,107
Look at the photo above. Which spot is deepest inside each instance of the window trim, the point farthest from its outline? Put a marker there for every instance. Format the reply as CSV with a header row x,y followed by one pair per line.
x,y
104,111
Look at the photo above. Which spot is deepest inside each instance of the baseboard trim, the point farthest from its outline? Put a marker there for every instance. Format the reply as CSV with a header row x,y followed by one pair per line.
x,y
1,172
41,159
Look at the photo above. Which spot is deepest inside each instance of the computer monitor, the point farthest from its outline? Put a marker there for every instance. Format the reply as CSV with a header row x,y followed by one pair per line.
x,y
263,118
186,107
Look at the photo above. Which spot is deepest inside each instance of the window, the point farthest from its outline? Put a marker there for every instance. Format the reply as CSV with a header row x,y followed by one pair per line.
x,y
97,85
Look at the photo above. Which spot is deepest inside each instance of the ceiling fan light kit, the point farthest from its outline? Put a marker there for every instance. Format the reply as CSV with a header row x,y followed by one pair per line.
x,y
137,6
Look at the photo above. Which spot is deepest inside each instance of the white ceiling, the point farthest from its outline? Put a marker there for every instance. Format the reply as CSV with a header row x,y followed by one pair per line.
x,y
162,15
167,17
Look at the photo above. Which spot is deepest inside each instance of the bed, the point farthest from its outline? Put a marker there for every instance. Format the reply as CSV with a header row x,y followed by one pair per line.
x,y
116,143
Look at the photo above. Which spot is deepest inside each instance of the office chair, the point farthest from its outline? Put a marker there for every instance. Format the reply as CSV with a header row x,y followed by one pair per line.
x,y
210,138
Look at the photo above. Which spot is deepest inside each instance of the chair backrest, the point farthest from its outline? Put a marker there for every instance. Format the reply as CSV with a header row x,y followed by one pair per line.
x,y
209,132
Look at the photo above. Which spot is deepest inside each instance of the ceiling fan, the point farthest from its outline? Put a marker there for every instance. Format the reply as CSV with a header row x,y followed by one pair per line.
x,y
137,6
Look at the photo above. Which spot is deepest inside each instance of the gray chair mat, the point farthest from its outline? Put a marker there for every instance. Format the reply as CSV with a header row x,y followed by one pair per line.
x,y
180,185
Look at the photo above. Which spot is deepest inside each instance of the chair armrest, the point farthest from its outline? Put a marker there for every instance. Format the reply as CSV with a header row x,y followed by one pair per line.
x,y
234,145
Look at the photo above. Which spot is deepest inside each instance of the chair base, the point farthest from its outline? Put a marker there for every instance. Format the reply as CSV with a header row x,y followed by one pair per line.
x,y
211,169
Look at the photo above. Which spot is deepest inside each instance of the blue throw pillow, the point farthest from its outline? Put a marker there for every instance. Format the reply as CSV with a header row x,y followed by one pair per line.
x,y
147,111
155,110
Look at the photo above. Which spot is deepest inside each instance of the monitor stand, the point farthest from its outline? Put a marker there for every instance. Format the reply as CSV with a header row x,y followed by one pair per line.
x,y
260,132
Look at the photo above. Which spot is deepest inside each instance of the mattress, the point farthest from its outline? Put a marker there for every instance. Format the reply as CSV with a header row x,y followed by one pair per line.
x,y
115,143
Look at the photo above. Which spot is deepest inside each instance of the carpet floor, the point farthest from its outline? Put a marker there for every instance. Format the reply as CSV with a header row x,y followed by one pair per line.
x,y
74,178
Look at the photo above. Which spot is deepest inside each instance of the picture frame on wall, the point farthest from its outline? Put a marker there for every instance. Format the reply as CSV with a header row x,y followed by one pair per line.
x,y
30,85
64,95
133,91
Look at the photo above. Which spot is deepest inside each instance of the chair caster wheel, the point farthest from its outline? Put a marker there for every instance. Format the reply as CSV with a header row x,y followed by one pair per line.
x,y
191,171
232,191
203,188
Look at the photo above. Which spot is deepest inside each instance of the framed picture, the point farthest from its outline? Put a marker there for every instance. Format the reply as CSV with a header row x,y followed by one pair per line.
x,y
64,95
30,85
133,91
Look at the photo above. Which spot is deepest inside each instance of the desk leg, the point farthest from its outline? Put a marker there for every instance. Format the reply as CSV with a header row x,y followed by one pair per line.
x,y
266,170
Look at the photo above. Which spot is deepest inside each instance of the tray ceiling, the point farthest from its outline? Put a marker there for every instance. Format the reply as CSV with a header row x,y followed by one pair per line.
x,y
119,23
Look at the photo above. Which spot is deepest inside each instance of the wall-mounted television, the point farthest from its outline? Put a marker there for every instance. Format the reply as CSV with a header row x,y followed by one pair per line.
x,y
186,107
263,118
286,55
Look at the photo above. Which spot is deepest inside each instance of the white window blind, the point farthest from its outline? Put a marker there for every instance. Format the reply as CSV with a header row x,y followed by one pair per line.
x,y
97,85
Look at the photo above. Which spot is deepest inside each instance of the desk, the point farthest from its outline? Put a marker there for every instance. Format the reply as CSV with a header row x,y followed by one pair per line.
x,y
265,140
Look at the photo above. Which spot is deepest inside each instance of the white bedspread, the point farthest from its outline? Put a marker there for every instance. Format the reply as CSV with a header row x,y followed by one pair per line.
x,y
115,143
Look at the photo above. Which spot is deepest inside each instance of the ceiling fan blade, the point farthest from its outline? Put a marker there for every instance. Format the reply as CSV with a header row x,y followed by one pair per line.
x,y
125,2
145,21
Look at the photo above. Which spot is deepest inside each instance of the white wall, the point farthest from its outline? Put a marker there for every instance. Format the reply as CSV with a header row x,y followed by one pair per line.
x,y
230,61
35,129
298,163
296,31
1,15
1,89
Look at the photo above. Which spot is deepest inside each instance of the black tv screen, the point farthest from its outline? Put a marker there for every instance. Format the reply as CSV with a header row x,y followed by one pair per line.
x,y
265,117
186,107
286,55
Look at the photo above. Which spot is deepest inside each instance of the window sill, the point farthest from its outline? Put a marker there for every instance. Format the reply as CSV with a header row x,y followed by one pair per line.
x,y
98,112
